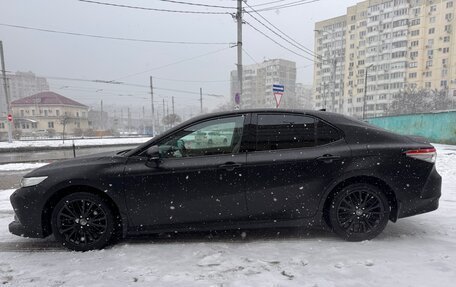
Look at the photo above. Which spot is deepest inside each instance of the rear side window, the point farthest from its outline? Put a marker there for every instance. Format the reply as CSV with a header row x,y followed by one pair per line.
x,y
326,133
288,131
284,131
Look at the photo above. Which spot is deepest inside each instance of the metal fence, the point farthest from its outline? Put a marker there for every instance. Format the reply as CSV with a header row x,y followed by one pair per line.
x,y
438,127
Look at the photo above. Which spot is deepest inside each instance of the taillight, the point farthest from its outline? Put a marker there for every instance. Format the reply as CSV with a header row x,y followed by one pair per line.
x,y
426,154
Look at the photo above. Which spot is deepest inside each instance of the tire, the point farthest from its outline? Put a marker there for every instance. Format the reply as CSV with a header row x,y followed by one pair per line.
x,y
83,221
359,212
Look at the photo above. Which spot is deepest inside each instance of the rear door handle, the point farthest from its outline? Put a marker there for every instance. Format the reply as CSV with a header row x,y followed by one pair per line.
x,y
328,158
230,166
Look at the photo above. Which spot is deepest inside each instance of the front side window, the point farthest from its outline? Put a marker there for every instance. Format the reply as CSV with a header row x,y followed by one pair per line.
x,y
213,137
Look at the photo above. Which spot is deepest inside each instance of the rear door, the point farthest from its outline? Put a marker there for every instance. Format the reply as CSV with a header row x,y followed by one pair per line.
x,y
294,157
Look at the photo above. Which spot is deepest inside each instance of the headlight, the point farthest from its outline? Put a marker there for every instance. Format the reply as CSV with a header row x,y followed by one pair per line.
x,y
31,181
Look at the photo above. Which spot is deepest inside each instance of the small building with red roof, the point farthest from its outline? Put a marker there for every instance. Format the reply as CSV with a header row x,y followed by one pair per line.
x,y
51,112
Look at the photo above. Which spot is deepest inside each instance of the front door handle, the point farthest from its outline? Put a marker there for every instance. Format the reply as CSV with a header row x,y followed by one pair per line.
x,y
230,166
328,158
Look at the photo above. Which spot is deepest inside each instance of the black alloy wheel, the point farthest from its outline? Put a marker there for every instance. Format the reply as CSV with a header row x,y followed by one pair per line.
x,y
82,221
359,212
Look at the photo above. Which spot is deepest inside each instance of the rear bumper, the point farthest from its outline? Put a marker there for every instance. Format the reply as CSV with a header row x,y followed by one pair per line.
x,y
426,200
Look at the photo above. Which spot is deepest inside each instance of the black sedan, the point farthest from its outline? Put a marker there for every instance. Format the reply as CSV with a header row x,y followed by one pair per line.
x,y
233,170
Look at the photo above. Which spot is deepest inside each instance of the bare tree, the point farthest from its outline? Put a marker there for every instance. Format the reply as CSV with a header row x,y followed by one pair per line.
x,y
171,119
64,121
419,101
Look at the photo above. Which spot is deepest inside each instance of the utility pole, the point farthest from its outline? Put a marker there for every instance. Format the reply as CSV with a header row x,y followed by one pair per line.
x,y
121,119
129,121
6,90
173,115
101,116
201,100
239,48
143,121
158,120
152,104
163,113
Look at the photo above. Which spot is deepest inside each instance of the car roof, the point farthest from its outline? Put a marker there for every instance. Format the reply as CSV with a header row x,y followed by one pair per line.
x,y
322,114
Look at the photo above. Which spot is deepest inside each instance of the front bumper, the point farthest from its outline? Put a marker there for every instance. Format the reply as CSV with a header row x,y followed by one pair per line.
x,y
426,200
28,206
17,228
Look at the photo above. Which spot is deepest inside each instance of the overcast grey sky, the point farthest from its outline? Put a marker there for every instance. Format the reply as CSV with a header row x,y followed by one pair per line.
x,y
59,55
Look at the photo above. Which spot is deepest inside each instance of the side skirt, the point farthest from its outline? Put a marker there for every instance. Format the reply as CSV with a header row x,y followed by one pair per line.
x,y
310,223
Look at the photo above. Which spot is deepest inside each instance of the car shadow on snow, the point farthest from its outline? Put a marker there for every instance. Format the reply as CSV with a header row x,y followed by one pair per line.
x,y
400,230
418,226
233,236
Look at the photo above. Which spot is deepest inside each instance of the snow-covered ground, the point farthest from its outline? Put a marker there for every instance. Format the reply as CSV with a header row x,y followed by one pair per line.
x,y
21,166
415,251
77,142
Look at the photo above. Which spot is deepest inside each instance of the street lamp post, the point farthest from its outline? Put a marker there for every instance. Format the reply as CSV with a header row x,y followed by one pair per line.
x,y
365,89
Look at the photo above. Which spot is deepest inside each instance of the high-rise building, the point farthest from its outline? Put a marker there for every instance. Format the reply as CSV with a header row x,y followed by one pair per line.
x,y
21,85
329,69
258,80
304,96
396,45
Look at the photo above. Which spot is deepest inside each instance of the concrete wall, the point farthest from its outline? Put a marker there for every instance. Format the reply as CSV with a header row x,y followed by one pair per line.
x,y
437,127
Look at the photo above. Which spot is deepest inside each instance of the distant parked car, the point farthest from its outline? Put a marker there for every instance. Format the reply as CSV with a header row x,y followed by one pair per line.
x,y
40,133
277,168
216,138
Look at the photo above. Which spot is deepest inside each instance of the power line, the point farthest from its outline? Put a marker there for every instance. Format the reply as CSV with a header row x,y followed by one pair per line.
x,y
111,37
197,4
288,5
286,48
283,38
251,58
268,3
294,42
126,84
192,81
171,64
110,82
154,9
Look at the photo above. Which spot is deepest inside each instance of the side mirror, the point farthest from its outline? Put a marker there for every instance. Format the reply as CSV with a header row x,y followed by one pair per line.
x,y
153,153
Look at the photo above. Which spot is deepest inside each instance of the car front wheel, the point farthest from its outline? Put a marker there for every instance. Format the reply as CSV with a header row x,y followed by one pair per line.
x,y
359,212
82,221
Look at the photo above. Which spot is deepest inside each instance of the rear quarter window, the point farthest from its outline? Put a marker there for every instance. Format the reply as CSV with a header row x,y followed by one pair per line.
x,y
326,133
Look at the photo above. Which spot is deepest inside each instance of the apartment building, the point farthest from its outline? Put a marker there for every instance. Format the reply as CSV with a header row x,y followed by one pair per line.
x,y
329,71
258,80
21,85
304,96
390,46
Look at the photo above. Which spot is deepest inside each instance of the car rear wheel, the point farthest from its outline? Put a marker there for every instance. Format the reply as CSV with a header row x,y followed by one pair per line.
x,y
359,212
83,221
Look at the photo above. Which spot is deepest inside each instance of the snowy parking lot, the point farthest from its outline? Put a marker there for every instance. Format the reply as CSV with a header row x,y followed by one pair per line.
x,y
415,251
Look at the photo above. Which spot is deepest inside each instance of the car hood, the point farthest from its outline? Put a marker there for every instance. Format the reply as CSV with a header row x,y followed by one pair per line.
x,y
104,158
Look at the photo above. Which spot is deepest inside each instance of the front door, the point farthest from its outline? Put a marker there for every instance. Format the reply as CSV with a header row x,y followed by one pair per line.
x,y
198,179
